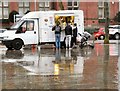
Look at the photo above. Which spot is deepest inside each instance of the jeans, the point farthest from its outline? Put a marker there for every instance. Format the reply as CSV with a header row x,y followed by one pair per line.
x,y
68,41
57,40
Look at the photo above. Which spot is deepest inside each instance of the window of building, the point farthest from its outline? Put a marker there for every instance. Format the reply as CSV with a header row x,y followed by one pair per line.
x,y
101,4
44,6
101,9
4,8
101,13
70,8
69,3
23,7
73,5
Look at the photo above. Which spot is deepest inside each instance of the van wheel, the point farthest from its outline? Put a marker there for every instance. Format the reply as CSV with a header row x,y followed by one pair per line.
x,y
17,44
102,37
117,36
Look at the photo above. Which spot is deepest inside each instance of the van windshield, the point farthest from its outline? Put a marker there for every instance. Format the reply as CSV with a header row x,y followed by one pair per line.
x,y
16,25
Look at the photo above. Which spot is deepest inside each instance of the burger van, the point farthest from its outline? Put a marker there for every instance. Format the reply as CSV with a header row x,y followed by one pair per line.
x,y
36,28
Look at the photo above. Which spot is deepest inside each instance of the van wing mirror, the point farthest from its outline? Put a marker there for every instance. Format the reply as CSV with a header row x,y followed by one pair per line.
x,y
18,30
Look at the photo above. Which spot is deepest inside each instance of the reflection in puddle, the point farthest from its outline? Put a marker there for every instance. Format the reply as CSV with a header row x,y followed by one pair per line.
x,y
47,62
0,75
15,54
113,49
118,73
60,63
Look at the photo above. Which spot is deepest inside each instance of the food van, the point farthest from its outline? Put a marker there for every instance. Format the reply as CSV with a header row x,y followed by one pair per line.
x,y
36,28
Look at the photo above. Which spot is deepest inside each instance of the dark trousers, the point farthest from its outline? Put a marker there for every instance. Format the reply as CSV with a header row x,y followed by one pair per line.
x,y
73,41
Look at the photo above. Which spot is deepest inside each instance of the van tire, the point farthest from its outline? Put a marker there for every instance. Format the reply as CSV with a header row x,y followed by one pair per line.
x,y
101,37
17,44
117,36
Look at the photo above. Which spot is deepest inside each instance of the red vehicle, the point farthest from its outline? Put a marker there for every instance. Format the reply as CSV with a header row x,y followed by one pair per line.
x,y
100,34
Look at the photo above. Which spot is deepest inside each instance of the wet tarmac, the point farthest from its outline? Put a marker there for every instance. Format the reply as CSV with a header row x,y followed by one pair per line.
x,y
86,68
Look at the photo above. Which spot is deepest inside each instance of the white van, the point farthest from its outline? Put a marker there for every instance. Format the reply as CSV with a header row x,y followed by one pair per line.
x,y
36,28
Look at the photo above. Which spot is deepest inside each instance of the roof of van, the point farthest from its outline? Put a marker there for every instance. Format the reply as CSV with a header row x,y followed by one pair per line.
x,y
36,14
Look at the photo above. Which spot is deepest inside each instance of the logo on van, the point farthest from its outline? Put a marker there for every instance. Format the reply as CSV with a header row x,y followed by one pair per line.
x,y
46,20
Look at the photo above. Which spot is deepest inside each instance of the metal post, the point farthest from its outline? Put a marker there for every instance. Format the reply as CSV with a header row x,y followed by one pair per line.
x,y
106,41
35,5
119,5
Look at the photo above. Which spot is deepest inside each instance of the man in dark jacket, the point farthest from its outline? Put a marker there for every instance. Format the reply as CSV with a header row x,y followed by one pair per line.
x,y
68,33
74,34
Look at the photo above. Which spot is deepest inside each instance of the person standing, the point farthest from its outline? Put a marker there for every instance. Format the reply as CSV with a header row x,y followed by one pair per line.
x,y
75,30
68,34
57,30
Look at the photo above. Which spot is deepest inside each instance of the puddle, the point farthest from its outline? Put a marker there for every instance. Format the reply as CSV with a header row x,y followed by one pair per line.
x,y
67,69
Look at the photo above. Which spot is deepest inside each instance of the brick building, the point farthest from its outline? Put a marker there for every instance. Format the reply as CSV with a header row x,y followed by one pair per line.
x,y
93,11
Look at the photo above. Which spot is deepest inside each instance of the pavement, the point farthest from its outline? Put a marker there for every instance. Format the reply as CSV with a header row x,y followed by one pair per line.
x,y
49,46
110,41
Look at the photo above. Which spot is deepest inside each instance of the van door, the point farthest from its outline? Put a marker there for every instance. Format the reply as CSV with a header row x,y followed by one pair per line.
x,y
28,32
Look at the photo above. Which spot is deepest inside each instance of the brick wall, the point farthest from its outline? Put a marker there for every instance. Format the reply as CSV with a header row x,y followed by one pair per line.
x,y
90,10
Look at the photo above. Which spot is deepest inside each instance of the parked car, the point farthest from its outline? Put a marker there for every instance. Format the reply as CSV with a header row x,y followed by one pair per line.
x,y
100,34
114,31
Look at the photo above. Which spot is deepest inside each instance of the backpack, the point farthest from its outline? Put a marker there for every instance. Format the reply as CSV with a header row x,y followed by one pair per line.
x,y
57,28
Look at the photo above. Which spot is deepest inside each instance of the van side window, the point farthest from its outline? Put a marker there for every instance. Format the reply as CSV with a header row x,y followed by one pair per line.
x,y
26,26
30,26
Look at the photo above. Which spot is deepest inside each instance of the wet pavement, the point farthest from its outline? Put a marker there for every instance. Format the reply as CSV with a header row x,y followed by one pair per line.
x,y
85,68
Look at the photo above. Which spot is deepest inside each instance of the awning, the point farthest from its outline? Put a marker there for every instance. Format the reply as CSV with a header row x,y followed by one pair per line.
x,y
65,14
